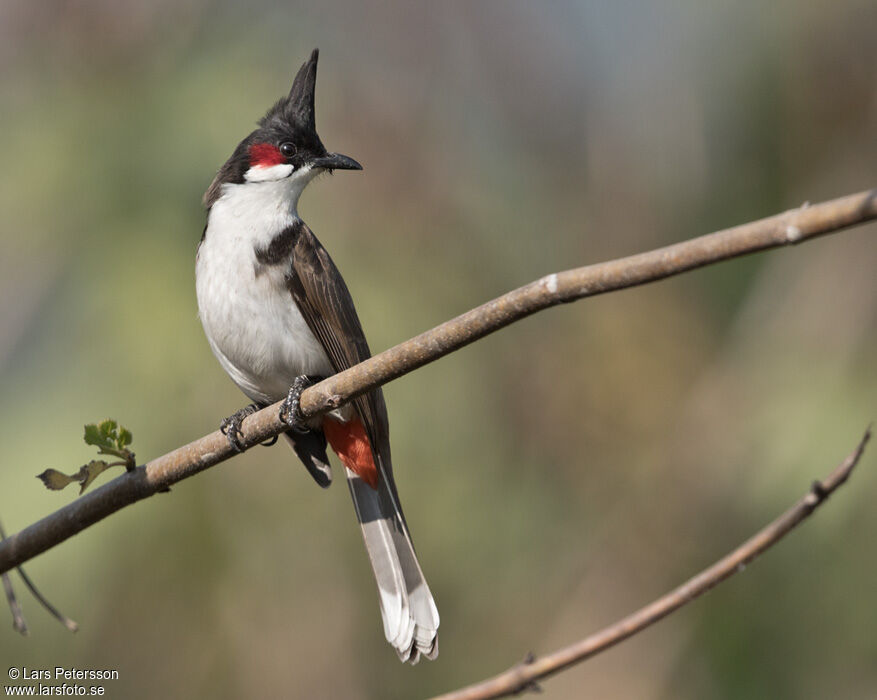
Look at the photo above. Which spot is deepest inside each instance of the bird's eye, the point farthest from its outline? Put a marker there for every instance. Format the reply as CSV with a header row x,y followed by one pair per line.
x,y
288,149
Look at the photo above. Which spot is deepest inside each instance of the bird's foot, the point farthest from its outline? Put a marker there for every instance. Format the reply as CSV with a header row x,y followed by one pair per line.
x,y
231,426
290,410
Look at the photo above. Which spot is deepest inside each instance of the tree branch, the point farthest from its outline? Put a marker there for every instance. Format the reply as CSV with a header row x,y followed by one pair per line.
x,y
794,226
18,621
524,676
19,624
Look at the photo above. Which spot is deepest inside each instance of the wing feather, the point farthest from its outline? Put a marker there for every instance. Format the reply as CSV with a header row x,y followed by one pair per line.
x,y
410,616
325,303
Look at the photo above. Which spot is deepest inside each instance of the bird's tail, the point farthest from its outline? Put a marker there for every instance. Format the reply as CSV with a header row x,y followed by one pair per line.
x,y
411,619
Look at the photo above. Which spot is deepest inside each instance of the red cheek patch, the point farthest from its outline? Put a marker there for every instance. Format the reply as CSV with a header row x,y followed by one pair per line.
x,y
264,155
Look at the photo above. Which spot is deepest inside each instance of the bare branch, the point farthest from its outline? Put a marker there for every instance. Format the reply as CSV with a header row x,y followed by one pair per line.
x,y
71,625
19,624
791,227
18,621
524,676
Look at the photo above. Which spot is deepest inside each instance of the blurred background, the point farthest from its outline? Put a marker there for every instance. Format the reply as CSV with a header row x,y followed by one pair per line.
x,y
556,475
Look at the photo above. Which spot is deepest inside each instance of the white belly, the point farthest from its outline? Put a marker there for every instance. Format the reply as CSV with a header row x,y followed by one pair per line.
x,y
251,320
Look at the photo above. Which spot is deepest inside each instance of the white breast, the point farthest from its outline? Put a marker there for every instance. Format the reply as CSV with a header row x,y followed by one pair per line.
x,y
252,323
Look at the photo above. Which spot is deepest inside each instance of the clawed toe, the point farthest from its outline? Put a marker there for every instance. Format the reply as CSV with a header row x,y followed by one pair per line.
x,y
290,410
231,426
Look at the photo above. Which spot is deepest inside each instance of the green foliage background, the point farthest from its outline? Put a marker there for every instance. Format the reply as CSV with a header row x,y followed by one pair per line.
x,y
556,475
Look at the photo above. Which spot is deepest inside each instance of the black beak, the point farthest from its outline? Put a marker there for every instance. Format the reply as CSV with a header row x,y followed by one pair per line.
x,y
335,161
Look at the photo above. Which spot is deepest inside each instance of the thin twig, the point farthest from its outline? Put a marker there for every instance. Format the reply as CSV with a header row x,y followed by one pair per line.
x,y
71,625
791,227
525,675
17,617
19,624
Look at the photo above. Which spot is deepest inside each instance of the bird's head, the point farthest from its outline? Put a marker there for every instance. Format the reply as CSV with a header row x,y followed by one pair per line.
x,y
286,146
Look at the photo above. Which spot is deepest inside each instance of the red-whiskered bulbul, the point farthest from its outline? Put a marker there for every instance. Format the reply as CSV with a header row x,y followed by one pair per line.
x,y
278,314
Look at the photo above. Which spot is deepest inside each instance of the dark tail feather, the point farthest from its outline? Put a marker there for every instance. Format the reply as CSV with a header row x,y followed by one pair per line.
x,y
410,616
311,450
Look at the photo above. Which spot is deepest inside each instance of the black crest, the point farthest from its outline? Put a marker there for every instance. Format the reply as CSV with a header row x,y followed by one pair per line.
x,y
296,110
290,119
300,102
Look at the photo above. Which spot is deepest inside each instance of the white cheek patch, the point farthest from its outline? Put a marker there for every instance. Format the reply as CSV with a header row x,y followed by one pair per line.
x,y
261,173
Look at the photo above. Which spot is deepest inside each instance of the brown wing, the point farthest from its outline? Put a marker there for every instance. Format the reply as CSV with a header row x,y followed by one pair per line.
x,y
325,302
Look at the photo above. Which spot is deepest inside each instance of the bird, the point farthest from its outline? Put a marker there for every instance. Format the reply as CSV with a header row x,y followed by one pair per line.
x,y
278,316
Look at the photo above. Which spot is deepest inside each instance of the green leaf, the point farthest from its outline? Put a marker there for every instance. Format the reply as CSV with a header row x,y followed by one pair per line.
x,y
125,438
55,480
92,435
110,438
108,435
107,429
102,435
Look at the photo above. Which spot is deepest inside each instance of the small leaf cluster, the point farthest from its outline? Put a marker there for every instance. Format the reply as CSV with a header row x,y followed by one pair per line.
x,y
110,438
